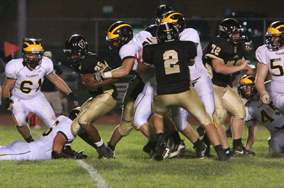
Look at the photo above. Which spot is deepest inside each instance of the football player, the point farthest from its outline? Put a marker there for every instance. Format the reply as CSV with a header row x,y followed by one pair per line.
x,y
271,61
200,80
51,144
120,37
225,54
264,114
24,77
171,59
103,95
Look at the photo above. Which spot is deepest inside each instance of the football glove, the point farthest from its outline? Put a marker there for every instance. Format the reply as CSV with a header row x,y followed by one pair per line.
x,y
7,102
73,97
98,76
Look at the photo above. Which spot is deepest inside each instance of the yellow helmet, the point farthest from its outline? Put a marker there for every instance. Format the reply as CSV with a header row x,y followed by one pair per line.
x,y
176,18
32,46
247,82
276,29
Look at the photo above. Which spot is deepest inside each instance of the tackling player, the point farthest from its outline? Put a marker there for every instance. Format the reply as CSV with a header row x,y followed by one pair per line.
x,y
103,94
24,77
171,59
120,37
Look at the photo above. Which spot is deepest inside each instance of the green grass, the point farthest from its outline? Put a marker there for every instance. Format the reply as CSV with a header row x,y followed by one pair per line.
x,y
133,168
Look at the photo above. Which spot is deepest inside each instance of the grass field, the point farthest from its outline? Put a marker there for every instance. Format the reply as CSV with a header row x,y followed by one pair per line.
x,y
133,169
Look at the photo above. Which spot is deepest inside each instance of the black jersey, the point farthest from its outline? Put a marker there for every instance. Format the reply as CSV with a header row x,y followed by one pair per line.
x,y
171,60
230,53
93,63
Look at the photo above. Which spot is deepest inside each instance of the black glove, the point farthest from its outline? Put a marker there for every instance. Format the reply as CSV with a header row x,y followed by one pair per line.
x,y
7,102
73,97
98,76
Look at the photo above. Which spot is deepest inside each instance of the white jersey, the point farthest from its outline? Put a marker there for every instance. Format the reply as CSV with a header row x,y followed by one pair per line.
x,y
198,70
266,115
275,62
28,82
40,149
133,49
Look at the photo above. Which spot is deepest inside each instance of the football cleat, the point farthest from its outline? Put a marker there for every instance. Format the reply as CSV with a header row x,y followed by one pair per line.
x,y
200,152
177,149
230,153
149,148
105,153
160,150
241,150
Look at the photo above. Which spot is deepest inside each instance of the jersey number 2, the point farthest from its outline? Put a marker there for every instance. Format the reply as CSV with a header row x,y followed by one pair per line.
x,y
171,58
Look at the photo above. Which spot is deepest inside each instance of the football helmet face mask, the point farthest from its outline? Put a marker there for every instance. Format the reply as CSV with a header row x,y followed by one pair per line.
x,y
246,88
231,30
74,113
119,33
176,18
76,49
167,32
161,10
32,52
274,37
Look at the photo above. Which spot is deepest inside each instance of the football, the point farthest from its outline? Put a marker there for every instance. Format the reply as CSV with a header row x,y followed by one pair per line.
x,y
87,78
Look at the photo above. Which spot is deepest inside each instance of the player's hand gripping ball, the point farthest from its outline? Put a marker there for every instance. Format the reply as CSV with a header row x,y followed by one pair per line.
x,y
87,79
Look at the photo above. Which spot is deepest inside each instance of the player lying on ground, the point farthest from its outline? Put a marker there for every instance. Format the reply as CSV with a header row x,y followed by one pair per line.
x,y
51,144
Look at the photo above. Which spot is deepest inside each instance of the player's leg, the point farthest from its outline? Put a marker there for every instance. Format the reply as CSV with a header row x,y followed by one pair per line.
x,y
275,142
40,107
20,112
18,150
125,126
196,108
235,106
205,91
97,108
142,111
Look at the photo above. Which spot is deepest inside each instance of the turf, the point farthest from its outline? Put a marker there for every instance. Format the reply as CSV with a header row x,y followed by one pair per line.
x,y
132,168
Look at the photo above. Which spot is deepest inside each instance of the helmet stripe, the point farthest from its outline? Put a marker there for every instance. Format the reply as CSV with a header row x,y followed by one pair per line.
x,y
111,31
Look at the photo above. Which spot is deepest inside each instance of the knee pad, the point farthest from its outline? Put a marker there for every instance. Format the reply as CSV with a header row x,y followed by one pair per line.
x,y
125,127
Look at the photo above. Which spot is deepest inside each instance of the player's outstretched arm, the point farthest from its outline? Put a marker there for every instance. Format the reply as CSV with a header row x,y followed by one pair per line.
x,y
59,83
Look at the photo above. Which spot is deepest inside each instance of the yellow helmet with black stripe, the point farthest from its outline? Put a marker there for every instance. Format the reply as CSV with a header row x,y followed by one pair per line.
x,y
246,88
119,33
275,29
32,46
176,18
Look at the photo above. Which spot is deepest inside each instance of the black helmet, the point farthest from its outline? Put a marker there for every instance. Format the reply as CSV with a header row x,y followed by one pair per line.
x,y
74,113
230,26
161,10
120,32
167,32
176,18
77,46
247,43
276,29
152,29
32,46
